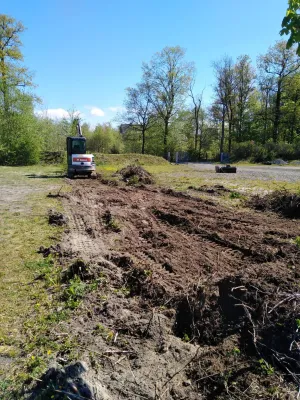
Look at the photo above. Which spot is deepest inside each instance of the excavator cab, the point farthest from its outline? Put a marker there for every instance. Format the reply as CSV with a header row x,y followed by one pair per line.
x,y
79,163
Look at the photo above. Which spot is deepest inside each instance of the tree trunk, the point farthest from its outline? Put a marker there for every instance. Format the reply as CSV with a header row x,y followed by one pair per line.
x,y
277,113
166,133
4,85
223,132
265,120
196,135
143,141
196,112
229,136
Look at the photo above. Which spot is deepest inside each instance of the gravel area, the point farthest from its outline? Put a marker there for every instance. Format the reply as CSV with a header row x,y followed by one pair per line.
x,y
265,173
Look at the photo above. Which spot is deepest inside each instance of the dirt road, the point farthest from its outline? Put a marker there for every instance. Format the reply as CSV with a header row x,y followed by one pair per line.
x,y
191,295
265,173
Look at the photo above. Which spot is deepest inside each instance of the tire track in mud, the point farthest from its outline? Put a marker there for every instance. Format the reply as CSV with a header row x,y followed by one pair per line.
x,y
78,239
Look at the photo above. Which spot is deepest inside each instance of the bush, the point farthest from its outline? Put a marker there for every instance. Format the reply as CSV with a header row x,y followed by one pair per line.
x,y
257,152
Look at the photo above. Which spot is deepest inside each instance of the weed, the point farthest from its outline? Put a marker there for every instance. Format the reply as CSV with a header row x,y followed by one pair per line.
x,y
106,333
133,180
123,290
265,367
235,195
297,241
74,293
186,338
235,351
110,222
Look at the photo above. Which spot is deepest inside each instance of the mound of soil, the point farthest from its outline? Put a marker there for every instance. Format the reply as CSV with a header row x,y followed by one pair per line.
x,y
135,174
280,201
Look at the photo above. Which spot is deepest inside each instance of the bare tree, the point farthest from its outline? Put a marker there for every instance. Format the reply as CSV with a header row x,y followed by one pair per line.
x,y
139,110
168,76
279,63
196,110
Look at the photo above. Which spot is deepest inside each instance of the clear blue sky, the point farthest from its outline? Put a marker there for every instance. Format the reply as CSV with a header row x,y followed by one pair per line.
x,y
84,53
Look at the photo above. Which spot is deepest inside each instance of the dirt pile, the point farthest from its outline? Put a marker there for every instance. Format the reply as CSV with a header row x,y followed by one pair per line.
x,y
133,174
280,201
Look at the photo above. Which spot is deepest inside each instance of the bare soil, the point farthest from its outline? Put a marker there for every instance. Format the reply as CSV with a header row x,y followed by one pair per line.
x,y
194,300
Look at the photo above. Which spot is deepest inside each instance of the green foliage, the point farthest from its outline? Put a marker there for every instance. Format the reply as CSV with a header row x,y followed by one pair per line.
x,y
186,338
74,293
257,152
291,24
235,195
104,139
265,367
297,241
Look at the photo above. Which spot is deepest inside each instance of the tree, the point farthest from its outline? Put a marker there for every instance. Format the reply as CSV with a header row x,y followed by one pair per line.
x,y
19,139
244,86
139,110
279,63
12,74
168,76
196,112
225,96
291,108
105,139
291,24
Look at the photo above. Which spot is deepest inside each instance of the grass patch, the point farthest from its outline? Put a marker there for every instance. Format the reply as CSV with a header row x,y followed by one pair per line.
x,y
27,311
121,160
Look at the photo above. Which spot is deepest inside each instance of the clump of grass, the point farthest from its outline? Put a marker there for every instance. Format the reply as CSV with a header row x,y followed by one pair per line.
x,y
297,241
110,222
235,195
74,293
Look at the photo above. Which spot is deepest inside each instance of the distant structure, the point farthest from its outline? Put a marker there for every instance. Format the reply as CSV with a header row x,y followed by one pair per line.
x,y
123,128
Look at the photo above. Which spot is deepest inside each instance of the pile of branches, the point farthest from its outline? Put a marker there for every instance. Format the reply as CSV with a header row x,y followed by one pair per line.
x,y
279,201
268,321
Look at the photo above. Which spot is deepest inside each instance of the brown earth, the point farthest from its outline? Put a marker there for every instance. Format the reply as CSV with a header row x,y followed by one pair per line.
x,y
194,300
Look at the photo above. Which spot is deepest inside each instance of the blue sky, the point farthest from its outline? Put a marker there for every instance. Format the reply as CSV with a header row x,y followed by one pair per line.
x,y
84,53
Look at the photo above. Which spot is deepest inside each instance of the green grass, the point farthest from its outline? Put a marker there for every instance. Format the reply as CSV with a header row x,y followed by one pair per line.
x,y
24,301
120,160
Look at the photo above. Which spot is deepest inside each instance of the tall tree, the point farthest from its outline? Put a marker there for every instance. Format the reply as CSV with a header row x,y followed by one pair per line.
x,y
168,76
279,63
244,85
196,112
225,95
12,74
139,110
